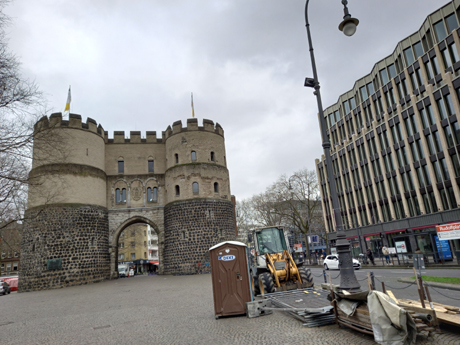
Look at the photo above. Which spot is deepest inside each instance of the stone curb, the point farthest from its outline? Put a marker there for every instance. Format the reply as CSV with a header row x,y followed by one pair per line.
x,y
394,266
435,284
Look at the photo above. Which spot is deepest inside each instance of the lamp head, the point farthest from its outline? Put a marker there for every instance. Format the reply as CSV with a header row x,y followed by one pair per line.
x,y
348,25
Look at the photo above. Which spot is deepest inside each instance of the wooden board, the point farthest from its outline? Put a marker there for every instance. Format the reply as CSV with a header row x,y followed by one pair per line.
x,y
453,319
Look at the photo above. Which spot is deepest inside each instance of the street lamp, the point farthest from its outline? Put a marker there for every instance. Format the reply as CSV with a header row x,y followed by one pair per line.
x,y
348,279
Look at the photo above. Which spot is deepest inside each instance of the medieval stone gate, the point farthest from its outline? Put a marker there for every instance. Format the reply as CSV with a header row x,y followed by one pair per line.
x,y
86,188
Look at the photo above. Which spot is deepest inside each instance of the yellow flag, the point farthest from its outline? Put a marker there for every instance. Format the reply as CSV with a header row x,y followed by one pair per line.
x,y
67,105
193,109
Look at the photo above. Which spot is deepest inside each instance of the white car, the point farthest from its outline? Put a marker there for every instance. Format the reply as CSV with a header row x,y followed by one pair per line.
x,y
332,262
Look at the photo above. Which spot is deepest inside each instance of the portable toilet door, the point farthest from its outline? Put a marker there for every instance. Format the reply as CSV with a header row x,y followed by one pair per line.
x,y
230,278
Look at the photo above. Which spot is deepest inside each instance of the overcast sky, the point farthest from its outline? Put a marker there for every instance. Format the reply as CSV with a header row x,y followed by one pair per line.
x,y
132,65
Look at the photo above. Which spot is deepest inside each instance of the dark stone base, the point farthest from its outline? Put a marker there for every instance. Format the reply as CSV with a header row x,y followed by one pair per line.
x,y
191,228
76,234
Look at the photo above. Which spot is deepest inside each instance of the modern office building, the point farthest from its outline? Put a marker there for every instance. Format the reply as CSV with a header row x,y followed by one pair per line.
x,y
395,145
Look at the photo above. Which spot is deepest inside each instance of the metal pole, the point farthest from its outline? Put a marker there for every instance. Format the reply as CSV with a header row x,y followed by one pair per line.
x,y
348,279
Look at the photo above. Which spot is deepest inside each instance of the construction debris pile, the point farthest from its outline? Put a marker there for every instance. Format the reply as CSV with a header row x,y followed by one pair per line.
x,y
308,305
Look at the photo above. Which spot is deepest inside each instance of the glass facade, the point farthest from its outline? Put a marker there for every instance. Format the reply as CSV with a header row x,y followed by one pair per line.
x,y
405,151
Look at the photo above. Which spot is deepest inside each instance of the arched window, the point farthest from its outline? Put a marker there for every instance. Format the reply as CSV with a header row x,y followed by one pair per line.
x,y
216,187
176,156
152,194
195,188
212,156
193,156
120,195
177,190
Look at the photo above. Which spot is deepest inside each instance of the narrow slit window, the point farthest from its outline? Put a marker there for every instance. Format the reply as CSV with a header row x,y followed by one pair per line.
x,y
121,166
216,187
195,188
177,190
176,157
150,165
212,157
193,156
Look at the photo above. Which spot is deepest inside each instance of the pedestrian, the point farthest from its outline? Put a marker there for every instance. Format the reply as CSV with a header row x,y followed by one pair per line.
x,y
370,256
386,253
323,255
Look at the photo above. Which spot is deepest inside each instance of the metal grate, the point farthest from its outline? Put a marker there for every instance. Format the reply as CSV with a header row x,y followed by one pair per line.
x,y
311,306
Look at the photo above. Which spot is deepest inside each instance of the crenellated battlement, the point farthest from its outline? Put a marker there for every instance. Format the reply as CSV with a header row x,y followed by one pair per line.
x,y
119,137
55,120
192,125
135,137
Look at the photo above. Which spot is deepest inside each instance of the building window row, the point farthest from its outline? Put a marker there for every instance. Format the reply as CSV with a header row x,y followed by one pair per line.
x,y
196,188
193,157
120,195
431,64
121,166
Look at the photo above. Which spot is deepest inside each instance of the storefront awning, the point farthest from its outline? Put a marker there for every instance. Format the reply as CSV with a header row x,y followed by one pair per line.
x,y
369,235
349,238
424,227
392,231
154,262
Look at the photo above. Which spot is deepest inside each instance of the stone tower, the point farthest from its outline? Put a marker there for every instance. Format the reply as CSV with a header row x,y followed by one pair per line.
x,y
86,189
199,212
68,226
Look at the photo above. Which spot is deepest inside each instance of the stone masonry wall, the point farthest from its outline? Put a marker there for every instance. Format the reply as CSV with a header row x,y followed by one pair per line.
x,y
191,228
76,234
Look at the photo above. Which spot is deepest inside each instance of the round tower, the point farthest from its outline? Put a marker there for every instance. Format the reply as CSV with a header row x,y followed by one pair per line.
x,y
198,212
65,238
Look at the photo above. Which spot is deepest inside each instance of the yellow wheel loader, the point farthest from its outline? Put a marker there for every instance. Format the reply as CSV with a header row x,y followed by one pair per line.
x,y
273,268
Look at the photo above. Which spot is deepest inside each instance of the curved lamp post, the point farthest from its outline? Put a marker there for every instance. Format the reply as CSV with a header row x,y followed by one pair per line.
x,y
348,279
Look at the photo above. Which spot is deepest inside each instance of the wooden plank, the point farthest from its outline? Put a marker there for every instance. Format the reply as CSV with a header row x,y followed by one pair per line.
x,y
449,318
392,296
448,307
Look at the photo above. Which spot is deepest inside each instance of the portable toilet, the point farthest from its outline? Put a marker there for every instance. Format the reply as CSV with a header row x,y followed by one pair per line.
x,y
230,278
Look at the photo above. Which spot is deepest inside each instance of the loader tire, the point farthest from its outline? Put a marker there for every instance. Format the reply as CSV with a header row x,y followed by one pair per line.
x,y
255,286
305,275
266,282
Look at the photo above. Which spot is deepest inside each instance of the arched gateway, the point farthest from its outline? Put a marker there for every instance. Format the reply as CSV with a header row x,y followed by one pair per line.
x,y
88,188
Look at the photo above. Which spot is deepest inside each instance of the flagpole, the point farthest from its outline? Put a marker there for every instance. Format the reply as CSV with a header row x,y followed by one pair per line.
x,y
67,105
193,109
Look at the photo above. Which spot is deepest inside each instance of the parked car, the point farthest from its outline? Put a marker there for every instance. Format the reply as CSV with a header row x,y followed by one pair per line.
x,y
332,262
12,282
4,288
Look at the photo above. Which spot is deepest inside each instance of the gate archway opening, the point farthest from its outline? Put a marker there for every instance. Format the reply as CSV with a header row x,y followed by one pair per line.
x,y
137,248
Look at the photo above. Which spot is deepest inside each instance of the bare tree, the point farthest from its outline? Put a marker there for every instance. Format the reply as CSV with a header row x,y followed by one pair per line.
x,y
301,203
291,201
21,105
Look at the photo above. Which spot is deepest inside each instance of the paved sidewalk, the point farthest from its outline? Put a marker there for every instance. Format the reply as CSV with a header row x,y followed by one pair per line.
x,y
155,309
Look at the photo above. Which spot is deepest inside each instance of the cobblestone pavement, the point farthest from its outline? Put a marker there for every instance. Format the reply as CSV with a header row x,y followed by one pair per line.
x,y
155,309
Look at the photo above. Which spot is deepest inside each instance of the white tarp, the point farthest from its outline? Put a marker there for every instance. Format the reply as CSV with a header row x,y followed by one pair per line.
x,y
392,325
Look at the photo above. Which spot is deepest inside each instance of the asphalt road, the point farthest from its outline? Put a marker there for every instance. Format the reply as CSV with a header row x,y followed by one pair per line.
x,y
400,290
